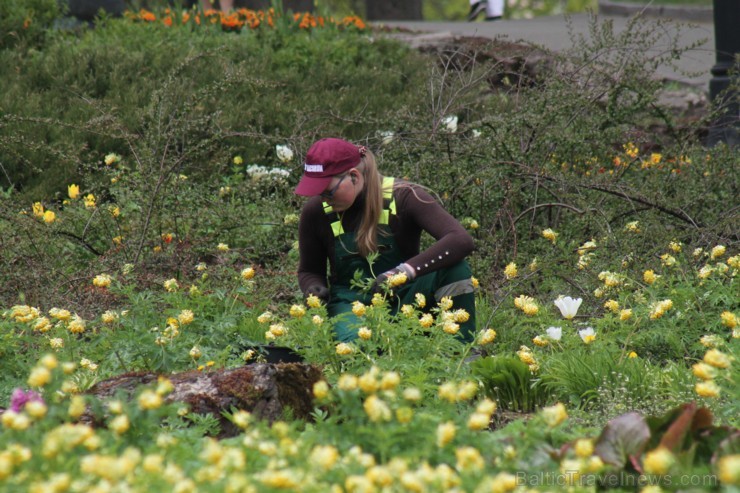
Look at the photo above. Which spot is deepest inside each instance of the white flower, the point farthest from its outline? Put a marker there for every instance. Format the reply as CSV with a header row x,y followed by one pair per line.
x,y
555,333
450,123
568,306
284,154
476,133
386,136
588,334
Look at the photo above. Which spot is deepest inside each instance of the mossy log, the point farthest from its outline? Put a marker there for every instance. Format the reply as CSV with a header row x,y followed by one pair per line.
x,y
268,391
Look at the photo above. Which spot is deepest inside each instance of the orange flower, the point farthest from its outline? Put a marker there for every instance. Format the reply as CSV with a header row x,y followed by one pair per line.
x,y
167,21
147,16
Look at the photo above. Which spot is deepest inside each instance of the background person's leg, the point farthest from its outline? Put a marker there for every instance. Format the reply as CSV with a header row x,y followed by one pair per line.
x,y
344,322
494,9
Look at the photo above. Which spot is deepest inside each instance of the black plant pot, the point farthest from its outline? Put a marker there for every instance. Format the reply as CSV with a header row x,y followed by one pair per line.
x,y
274,354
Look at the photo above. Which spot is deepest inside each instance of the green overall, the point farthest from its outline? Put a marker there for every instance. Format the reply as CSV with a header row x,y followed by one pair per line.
x,y
454,281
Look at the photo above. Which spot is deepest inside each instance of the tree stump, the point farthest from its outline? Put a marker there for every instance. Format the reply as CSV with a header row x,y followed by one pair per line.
x,y
265,390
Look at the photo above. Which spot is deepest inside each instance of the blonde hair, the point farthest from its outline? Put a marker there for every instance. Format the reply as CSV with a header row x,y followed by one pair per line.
x,y
366,236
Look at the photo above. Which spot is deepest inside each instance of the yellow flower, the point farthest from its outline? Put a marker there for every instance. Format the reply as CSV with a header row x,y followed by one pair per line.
x,y
451,327
445,303
112,158
76,406
540,341
36,409
376,409
324,456
195,353
668,260
39,377
717,252
390,380
277,330
317,320
102,280
551,235
49,217
655,158
321,390
222,247
265,318
120,424
397,279
487,336
527,304
675,246
313,301
171,285
612,305
526,356
584,448
469,458
297,311
729,319
358,308
478,421
73,191
247,273
632,355
511,271
625,314
717,359
115,211
658,461
632,227
89,201
364,333
704,371
149,400
347,382
476,283
185,317
554,415
76,325
728,469
38,209
426,320
407,310
404,414
378,300
109,317
445,433
631,150
707,389
344,349
587,247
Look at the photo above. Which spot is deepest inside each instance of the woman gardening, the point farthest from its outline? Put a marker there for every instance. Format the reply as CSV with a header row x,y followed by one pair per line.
x,y
354,212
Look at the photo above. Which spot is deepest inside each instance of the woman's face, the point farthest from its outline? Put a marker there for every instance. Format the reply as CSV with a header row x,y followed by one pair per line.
x,y
341,191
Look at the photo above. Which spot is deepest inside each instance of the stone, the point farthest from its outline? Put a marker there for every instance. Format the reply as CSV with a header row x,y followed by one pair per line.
x,y
265,390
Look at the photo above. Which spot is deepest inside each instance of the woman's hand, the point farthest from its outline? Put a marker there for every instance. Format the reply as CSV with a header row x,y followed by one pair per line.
x,y
381,283
321,292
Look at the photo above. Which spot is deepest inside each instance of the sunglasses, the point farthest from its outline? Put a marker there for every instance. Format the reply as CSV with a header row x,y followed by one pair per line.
x,y
330,193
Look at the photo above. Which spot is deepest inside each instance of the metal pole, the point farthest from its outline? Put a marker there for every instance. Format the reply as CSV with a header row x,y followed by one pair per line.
x,y
727,43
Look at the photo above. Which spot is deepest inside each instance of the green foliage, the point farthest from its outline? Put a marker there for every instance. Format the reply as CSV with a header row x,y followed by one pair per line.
x,y
511,383
26,23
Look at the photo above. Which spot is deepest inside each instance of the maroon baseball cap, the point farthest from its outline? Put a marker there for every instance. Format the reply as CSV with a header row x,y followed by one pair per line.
x,y
325,159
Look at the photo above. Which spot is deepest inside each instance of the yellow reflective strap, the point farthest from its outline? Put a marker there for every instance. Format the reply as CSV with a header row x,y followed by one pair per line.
x,y
388,187
392,207
337,228
327,207
384,216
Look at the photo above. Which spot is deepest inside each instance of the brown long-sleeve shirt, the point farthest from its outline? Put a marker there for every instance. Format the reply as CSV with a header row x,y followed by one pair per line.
x,y
416,211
